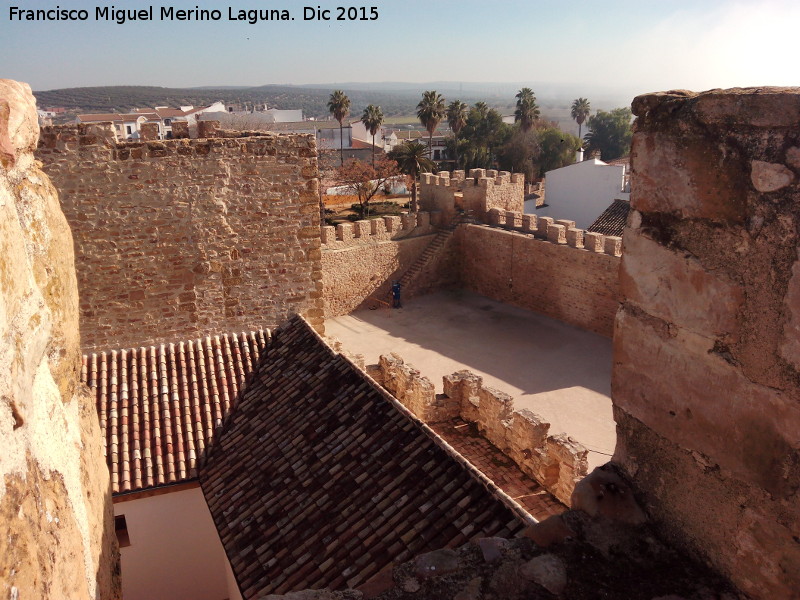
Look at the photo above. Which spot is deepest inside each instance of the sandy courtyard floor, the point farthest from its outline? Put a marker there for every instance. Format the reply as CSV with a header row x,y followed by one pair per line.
x,y
556,370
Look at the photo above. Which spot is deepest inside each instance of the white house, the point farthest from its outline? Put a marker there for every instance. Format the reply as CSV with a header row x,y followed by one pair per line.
x,y
583,190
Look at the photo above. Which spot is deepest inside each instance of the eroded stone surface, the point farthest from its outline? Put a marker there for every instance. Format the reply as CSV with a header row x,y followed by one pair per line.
x,y
770,177
56,526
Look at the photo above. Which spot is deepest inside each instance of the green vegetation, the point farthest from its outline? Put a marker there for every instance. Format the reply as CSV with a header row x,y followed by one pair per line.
x,y
412,160
456,118
372,118
581,109
527,112
431,111
339,107
611,133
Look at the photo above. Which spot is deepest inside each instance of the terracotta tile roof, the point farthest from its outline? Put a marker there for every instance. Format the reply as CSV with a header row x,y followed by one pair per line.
x,y
612,220
320,479
625,161
159,406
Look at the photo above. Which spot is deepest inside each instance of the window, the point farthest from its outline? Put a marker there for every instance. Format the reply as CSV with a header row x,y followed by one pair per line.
x,y
121,529
129,129
167,122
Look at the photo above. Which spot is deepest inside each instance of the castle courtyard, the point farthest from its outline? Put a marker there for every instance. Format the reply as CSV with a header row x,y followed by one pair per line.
x,y
553,369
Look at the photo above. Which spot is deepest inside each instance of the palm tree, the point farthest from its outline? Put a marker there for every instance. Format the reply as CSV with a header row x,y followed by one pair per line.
x,y
411,160
372,120
580,111
456,118
526,112
482,109
339,106
430,112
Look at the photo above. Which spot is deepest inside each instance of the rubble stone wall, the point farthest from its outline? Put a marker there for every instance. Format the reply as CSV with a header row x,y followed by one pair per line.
x,y
182,238
56,522
557,462
544,265
706,375
480,192
360,260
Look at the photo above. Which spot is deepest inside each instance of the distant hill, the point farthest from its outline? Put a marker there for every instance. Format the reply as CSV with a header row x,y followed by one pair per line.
x,y
312,100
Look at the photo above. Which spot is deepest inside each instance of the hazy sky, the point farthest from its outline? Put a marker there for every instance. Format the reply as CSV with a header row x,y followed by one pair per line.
x,y
643,45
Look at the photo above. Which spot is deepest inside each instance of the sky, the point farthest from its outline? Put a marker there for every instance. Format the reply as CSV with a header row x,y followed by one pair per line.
x,y
639,46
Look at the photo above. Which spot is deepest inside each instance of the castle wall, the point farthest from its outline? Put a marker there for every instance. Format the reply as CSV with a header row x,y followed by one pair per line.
x,y
557,461
183,238
56,526
545,266
706,370
482,191
361,260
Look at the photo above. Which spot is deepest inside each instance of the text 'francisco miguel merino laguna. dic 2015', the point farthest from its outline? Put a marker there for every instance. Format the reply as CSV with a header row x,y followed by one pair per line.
x,y
120,16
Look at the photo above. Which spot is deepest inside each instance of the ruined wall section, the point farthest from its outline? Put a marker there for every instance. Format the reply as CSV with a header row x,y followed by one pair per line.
x,y
706,375
544,265
557,461
183,238
56,526
361,260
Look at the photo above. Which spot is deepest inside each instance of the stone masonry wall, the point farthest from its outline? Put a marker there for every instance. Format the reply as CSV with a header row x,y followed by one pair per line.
x,y
360,260
182,238
706,375
544,265
557,462
478,193
56,523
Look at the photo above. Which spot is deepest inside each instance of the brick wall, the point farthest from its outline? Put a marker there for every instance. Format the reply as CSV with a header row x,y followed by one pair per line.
x,y
184,238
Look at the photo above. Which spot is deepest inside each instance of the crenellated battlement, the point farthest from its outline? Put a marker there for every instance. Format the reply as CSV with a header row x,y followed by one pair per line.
x,y
556,461
388,228
556,231
100,139
483,190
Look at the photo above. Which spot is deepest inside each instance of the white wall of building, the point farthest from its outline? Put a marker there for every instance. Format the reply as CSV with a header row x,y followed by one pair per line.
x,y
175,552
582,191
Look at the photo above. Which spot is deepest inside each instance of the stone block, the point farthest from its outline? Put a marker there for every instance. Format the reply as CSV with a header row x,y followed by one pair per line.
x,y
392,223
557,234
423,219
207,129
594,242
529,223
377,226
344,232
495,216
681,385
612,245
180,130
513,219
409,221
361,229
688,175
677,289
575,237
567,223
494,415
543,224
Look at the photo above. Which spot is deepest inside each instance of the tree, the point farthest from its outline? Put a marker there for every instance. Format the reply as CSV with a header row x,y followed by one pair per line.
x,y
610,133
480,139
339,107
456,118
557,149
411,160
372,120
519,153
580,112
364,180
430,112
527,112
